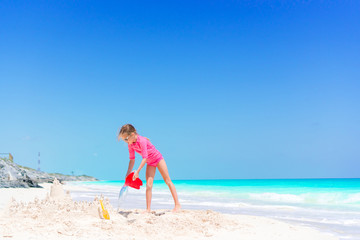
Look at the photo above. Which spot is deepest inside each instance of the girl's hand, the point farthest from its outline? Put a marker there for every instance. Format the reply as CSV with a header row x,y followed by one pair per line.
x,y
136,175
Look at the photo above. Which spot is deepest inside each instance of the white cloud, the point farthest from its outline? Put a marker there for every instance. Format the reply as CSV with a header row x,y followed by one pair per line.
x,y
26,138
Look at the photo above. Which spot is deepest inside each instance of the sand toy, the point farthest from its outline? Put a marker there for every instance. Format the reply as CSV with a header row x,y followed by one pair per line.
x,y
128,183
105,213
134,184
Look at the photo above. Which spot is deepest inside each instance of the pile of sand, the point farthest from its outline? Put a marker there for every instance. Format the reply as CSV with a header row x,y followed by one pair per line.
x,y
58,217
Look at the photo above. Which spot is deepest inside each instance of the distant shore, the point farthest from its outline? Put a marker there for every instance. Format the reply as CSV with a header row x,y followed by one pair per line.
x,y
13,175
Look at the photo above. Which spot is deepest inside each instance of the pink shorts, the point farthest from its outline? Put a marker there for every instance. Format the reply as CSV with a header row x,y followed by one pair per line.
x,y
155,162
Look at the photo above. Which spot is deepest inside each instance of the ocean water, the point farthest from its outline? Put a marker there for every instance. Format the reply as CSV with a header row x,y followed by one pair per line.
x,y
330,205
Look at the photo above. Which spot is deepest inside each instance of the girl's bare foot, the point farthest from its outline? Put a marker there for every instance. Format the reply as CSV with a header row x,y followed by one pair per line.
x,y
146,211
177,208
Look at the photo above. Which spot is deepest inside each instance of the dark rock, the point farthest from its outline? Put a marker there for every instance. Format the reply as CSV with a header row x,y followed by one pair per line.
x,y
16,176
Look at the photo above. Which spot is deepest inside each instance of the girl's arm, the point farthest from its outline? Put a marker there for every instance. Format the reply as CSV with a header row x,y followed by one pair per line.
x,y
142,164
131,166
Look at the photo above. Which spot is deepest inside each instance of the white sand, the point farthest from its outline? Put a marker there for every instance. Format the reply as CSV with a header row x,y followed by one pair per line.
x,y
49,213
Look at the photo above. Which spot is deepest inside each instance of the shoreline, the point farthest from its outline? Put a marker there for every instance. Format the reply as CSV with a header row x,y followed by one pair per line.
x,y
35,214
312,204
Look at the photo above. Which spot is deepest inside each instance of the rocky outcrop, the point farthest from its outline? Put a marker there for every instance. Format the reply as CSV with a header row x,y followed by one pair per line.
x,y
16,176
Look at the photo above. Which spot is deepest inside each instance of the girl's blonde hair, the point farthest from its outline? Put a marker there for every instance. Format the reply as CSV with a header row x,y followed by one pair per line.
x,y
127,129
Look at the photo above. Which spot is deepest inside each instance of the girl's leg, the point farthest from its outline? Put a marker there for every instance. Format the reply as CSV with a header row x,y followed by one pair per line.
x,y
165,174
150,174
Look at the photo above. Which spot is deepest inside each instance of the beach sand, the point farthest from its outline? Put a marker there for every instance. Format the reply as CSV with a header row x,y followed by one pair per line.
x,y
50,213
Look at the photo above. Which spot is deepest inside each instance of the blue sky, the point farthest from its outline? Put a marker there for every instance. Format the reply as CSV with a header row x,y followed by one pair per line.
x,y
224,89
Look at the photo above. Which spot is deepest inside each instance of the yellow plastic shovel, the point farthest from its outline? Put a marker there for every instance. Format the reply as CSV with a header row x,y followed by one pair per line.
x,y
104,211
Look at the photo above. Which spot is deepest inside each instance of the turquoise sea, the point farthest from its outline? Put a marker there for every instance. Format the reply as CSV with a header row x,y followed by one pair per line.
x,y
330,205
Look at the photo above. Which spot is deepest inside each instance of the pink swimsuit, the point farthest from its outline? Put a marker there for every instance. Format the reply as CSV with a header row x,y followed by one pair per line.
x,y
145,148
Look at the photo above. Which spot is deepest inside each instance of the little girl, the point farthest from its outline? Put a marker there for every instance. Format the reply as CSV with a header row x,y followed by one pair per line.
x,y
152,157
